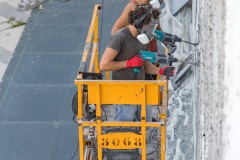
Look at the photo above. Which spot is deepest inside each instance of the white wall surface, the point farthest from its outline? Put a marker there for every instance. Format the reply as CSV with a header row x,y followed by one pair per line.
x,y
232,81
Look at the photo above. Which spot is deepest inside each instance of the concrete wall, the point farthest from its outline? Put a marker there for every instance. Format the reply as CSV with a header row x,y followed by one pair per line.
x,y
210,95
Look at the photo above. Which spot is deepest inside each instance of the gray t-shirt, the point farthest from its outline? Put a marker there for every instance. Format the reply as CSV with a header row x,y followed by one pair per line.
x,y
127,47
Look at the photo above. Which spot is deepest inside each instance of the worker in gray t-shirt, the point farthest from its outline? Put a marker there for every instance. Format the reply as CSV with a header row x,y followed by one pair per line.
x,y
121,55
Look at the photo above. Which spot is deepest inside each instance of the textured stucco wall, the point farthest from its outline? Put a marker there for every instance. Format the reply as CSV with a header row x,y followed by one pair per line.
x,y
210,97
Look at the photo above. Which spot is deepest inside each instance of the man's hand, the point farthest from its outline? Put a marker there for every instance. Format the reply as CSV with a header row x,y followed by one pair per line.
x,y
167,71
135,62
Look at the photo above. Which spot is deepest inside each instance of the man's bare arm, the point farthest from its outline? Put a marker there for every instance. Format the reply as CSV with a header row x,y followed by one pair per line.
x,y
151,68
107,62
122,21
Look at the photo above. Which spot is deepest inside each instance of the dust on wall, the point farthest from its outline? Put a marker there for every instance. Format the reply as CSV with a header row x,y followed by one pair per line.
x,y
211,28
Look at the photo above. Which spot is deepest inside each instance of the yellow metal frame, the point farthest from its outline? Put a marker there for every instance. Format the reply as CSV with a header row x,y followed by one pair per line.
x,y
100,92
93,29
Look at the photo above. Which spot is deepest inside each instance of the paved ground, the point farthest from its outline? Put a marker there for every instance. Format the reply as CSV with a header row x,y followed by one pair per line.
x,y
9,37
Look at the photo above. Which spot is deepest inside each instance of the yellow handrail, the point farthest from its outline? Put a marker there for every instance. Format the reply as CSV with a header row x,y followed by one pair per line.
x,y
93,29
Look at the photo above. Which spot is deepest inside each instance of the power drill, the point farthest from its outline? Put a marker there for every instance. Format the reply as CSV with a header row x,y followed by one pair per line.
x,y
167,37
156,58
147,56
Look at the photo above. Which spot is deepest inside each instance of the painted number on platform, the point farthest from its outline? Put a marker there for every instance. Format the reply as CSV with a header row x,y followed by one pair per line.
x,y
127,142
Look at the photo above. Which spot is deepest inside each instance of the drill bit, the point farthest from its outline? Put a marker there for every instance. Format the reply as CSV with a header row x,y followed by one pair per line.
x,y
197,64
195,44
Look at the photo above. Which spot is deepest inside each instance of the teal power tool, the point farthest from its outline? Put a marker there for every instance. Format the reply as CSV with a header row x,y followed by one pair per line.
x,y
167,37
147,56
156,58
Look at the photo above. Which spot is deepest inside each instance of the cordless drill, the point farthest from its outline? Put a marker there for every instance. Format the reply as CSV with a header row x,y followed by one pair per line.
x,y
167,37
171,39
155,58
147,56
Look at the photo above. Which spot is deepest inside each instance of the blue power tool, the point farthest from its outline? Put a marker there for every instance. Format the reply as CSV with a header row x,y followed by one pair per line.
x,y
170,38
155,58
147,56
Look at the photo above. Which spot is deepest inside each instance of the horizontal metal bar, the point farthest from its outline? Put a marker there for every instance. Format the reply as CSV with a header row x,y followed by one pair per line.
x,y
121,124
119,82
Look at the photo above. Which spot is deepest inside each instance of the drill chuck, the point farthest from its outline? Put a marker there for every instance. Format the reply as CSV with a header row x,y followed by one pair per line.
x,y
177,39
171,38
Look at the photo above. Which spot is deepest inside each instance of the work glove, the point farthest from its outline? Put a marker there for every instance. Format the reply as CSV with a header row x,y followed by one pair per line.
x,y
167,71
135,62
